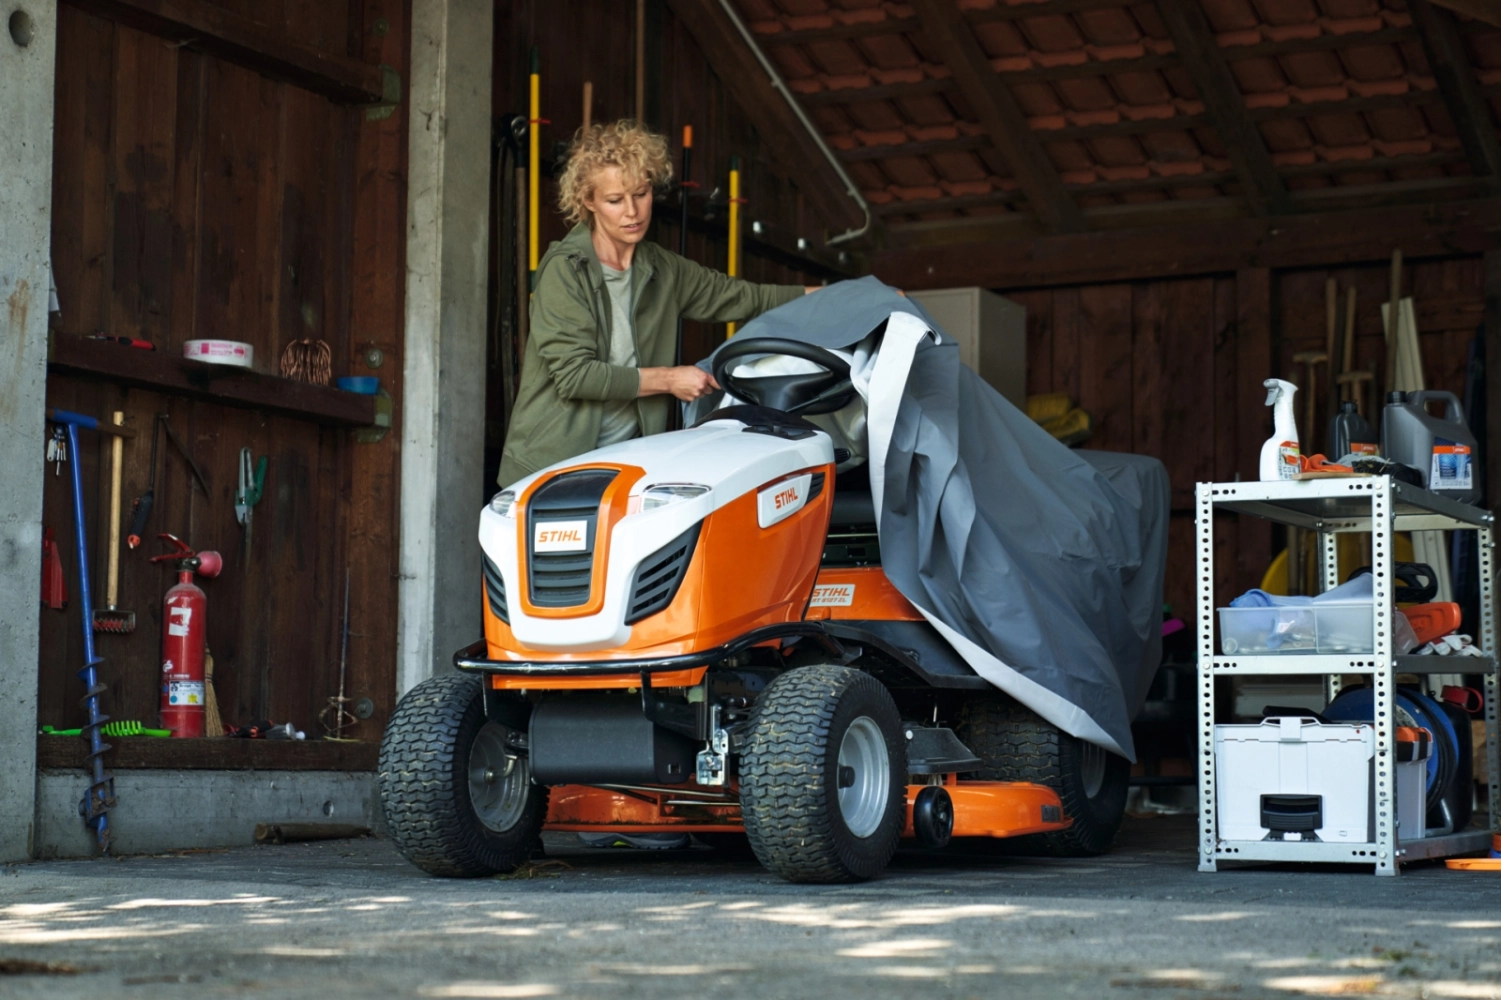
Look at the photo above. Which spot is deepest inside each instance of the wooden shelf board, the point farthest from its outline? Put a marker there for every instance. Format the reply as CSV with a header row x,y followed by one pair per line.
x,y
212,754
224,384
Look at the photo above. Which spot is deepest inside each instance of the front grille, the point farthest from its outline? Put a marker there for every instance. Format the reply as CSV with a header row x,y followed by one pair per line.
x,y
495,590
660,575
815,487
562,579
565,579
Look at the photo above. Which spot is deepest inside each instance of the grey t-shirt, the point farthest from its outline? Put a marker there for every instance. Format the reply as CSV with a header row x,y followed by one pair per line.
x,y
620,421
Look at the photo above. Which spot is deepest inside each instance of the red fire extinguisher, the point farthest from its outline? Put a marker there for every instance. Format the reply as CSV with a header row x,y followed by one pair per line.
x,y
184,635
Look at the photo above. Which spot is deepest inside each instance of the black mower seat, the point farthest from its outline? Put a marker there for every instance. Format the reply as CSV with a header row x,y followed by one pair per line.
x,y
853,507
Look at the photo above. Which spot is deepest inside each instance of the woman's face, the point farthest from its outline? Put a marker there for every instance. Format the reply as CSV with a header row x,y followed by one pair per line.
x,y
622,211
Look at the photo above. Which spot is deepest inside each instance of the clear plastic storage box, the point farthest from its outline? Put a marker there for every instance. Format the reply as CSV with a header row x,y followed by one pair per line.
x,y
1310,628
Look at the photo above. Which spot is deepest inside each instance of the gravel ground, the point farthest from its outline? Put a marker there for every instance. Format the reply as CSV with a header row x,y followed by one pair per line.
x,y
351,919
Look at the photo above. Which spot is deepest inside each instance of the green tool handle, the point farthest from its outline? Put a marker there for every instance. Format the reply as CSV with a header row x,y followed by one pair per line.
x,y
49,731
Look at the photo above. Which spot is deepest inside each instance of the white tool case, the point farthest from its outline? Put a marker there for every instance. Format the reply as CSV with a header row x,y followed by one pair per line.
x,y
1291,778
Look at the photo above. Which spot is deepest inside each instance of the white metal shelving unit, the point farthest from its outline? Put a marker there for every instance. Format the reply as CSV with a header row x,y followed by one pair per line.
x,y
1382,506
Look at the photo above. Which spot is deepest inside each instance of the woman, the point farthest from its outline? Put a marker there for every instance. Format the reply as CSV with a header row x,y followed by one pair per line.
x,y
599,364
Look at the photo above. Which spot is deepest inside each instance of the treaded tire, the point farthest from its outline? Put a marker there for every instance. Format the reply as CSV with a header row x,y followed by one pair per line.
x,y
1018,745
424,785
789,776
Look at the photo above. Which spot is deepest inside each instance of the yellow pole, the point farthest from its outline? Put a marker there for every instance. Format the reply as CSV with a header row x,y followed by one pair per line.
x,y
534,163
733,270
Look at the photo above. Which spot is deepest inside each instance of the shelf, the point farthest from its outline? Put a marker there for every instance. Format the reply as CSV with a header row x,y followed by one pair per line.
x,y
1379,506
1305,851
1294,663
223,384
1342,505
212,754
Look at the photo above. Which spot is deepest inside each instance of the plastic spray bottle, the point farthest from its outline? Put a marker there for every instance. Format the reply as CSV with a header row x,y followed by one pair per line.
x,y
1280,454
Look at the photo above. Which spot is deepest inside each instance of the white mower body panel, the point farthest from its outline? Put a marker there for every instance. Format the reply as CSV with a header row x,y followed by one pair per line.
x,y
720,455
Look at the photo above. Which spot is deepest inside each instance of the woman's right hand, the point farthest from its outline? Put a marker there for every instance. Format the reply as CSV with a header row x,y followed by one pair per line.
x,y
686,382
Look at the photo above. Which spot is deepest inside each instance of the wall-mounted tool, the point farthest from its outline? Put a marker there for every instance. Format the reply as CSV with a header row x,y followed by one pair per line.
x,y
252,484
100,796
140,507
534,164
110,618
184,638
54,587
732,267
186,454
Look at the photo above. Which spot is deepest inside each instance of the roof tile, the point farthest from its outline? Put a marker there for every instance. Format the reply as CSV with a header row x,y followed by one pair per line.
x,y
1046,58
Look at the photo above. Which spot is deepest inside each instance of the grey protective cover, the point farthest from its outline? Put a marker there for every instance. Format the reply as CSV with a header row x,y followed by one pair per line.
x,y
1048,561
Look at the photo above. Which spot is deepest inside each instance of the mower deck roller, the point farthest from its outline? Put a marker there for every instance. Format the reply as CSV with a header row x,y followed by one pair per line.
x,y
692,633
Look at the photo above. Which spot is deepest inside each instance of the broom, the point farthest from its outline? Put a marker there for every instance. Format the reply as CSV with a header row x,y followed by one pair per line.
x,y
213,725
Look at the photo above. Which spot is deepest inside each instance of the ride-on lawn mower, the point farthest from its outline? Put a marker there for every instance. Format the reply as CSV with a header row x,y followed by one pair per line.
x,y
692,633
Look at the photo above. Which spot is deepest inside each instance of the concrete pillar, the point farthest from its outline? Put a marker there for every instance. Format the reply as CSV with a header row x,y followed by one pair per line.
x,y
442,449
28,32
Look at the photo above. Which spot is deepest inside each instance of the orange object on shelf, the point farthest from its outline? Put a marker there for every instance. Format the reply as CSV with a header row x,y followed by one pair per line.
x,y
1433,621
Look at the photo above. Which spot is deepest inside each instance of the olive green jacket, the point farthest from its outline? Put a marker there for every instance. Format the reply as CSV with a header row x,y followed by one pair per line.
x,y
564,377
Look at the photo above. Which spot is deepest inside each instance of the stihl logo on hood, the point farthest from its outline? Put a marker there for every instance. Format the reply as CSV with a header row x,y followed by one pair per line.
x,y
560,536
783,499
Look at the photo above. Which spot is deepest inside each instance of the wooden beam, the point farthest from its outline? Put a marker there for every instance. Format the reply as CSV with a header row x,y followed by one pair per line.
x,y
1450,65
1314,197
964,143
1209,247
1487,11
840,32
954,43
235,38
746,81
1050,8
1206,66
909,25
878,92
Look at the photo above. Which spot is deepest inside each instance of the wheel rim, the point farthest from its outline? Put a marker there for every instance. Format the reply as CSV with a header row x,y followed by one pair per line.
x,y
498,780
1091,768
863,802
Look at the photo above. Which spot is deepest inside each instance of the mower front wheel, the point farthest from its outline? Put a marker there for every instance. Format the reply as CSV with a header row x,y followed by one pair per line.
x,y
823,776
459,801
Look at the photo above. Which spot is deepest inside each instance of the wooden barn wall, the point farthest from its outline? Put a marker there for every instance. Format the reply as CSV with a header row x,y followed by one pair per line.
x,y
585,40
197,198
1173,368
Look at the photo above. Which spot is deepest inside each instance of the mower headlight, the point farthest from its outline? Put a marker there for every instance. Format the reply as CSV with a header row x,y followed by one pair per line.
x,y
502,502
664,494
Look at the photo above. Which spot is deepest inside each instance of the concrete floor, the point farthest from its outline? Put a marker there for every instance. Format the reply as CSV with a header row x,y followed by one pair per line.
x,y
351,919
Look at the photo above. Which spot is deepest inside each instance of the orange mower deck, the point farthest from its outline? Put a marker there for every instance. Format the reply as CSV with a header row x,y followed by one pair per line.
x,y
981,809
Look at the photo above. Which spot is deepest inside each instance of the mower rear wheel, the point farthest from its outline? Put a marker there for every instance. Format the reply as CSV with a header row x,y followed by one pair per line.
x,y
459,803
823,776
1016,744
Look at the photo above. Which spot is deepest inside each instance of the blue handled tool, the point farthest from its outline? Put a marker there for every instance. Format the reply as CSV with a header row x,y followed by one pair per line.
x,y
100,797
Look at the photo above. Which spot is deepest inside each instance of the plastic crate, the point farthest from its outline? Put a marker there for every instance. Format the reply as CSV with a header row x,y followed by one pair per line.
x,y
1289,757
1307,628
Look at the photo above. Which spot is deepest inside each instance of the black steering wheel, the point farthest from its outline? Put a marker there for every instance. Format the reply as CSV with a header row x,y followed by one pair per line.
x,y
815,392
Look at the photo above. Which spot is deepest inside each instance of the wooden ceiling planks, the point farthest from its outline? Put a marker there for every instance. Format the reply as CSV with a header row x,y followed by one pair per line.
x,y
1202,57
950,35
1456,81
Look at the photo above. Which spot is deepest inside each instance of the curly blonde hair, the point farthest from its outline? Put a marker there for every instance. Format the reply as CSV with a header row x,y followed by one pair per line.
x,y
640,153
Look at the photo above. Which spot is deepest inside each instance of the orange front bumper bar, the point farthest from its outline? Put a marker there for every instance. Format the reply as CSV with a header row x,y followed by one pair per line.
x,y
981,809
